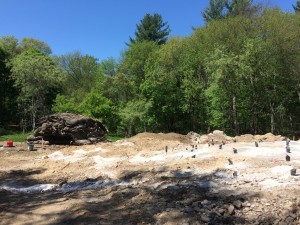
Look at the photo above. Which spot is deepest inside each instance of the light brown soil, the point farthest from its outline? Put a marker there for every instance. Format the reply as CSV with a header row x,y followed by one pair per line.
x,y
151,179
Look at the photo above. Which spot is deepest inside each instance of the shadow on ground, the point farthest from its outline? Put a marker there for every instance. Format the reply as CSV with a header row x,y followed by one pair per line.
x,y
181,198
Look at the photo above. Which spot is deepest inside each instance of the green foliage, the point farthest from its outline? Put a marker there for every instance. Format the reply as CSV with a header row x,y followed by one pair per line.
x,y
80,73
12,52
162,86
65,104
214,11
220,9
238,73
134,61
8,92
109,67
16,137
194,82
229,33
33,73
245,8
119,88
94,105
30,43
223,68
13,47
135,117
151,28
113,138
97,106
10,45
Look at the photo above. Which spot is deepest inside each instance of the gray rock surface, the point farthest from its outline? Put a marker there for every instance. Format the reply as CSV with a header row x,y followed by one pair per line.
x,y
69,128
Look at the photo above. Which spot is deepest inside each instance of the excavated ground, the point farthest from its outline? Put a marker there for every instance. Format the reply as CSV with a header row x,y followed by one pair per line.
x,y
151,179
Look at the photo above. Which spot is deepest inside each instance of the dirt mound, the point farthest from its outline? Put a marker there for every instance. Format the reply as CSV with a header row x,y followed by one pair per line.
x,y
158,140
160,136
269,137
193,136
220,137
216,137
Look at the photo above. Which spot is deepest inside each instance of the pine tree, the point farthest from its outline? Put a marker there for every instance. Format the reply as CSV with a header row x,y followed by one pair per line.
x,y
242,7
219,9
151,28
297,7
214,11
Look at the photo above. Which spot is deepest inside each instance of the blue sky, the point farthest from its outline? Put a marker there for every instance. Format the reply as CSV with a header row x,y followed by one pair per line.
x,y
98,27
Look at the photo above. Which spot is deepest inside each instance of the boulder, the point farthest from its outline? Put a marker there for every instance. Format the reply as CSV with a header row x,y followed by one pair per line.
x,y
230,210
69,128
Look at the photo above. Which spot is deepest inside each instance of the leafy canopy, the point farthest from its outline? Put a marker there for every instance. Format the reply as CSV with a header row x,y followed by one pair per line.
x,y
80,73
135,59
29,43
35,75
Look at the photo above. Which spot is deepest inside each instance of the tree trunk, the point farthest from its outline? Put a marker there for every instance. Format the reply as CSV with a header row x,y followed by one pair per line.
x,y
33,121
130,130
234,116
254,106
33,113
291,126
194,121
272,118
254,119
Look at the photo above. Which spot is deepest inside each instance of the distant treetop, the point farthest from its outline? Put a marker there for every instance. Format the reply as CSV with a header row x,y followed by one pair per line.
x,y
219,9
297,7
151,28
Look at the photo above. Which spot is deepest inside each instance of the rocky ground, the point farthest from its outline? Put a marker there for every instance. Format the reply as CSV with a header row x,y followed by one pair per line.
x,y
153,179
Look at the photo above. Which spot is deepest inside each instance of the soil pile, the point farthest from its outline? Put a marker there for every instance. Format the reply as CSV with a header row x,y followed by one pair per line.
x,y
269,137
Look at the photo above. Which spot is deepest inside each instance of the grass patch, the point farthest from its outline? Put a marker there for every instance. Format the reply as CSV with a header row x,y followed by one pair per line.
x,y
17,137
113,138
21,137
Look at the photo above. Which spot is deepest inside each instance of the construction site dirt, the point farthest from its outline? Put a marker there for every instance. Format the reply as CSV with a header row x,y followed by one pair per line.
x,y
153,179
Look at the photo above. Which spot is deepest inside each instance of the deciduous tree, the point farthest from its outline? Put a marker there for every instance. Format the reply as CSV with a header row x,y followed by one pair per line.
x,y
34,73
80,74
8,94
31,43
134,61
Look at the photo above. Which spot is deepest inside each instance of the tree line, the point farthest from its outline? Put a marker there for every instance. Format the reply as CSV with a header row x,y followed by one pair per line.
x,y
240,72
